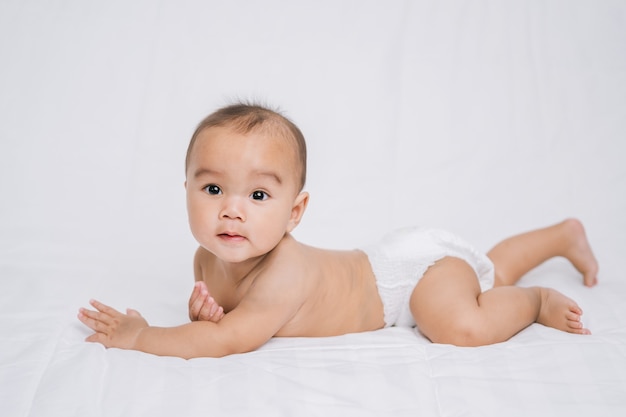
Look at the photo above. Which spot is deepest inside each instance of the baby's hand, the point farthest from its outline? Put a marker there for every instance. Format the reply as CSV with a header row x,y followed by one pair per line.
x,y
112,328
202,307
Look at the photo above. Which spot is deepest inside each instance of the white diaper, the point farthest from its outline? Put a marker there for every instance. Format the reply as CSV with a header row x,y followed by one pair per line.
x,y
402,258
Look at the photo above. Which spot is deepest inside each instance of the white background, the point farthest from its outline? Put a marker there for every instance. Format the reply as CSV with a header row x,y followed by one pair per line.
x,y
484,118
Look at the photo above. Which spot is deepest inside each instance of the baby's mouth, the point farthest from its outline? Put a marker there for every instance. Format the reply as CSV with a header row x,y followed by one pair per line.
x,y
231,237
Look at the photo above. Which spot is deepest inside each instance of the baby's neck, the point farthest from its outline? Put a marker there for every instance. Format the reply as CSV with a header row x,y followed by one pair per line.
x,y
237,272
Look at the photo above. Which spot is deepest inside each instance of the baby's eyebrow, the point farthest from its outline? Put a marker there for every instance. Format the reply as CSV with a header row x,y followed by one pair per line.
x,y
270,174
203,171
256,173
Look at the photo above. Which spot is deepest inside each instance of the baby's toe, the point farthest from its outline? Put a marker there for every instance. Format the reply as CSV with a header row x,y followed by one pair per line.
x,y
582,330
573,307
574,324
572,316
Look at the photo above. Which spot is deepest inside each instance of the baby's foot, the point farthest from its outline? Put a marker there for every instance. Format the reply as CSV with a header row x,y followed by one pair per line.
x,y
560,312
579,251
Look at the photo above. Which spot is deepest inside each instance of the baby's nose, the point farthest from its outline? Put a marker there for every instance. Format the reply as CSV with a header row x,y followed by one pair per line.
x,y
232,208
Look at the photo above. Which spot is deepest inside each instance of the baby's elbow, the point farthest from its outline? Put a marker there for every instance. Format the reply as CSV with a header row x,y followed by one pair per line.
x,y
239,345
222,342
222,350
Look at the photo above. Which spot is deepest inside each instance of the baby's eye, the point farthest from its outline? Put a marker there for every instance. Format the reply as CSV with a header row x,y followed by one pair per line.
x,y
213,189
259,195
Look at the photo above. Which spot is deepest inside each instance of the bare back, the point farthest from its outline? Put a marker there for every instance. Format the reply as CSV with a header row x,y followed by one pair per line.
x,y
326,292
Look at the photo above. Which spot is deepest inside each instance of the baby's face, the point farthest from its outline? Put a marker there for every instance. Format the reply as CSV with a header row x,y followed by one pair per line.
x,y
241,192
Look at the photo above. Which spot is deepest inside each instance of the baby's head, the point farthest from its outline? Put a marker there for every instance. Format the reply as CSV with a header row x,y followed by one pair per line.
x,y
245,170
246,118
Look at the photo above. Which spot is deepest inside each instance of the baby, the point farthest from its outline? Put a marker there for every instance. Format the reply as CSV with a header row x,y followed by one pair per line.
x,y
245,173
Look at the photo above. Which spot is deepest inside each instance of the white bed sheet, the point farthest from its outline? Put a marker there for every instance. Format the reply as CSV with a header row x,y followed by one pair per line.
x,y
47,369
482,117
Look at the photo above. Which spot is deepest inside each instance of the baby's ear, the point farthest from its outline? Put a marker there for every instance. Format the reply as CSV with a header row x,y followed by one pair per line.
x,y
299,206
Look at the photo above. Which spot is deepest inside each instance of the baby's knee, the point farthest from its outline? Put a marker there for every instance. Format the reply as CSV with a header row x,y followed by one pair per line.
x,y
463,332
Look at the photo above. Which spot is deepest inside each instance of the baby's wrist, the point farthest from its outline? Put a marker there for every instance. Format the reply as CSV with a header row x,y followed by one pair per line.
x,y
139,341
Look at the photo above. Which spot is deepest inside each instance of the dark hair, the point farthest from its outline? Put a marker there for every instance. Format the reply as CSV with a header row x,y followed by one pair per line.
x,y
246,117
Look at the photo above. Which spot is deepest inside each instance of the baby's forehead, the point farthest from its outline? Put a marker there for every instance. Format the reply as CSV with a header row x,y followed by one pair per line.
x,y
253,153
274,133
259,136
262,135
276,149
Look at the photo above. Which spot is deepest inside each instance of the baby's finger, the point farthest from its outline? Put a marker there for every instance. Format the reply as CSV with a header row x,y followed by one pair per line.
x,y
195,293
97,316
85,319
201,286
216,313
97,338
214,307
193,313
219,314
196,307
103,308
207,309
92,320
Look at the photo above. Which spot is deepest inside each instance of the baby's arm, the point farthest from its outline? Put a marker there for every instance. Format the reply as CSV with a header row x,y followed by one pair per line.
x,y
202,306
265,309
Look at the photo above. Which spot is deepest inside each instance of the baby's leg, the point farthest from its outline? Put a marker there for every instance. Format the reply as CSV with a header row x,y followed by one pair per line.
x,y
448,307
517,255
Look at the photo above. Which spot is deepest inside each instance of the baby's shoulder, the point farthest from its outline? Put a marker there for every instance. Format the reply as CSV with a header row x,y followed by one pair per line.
x,y
294,257
288,254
